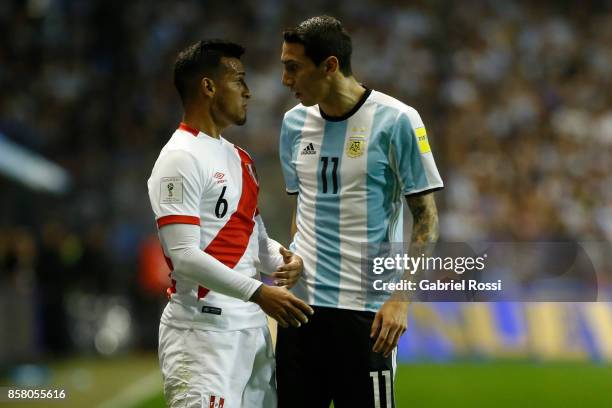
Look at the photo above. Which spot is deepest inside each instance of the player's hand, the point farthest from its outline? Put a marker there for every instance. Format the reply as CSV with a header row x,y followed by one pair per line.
x,y
282,306
288,274
389,324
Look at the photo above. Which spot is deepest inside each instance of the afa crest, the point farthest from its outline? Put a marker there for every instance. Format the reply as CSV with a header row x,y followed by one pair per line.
x,y
355,148
356,145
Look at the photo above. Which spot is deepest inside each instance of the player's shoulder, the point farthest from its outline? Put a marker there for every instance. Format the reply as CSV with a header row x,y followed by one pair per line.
x,y
181,150
197,144
298,109
179,140
298,113
395,107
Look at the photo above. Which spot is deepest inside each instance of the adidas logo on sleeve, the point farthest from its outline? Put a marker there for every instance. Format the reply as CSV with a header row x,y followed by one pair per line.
x,y
309,150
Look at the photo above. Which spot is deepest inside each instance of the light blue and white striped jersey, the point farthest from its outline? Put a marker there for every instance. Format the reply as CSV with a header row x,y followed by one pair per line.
x,y
350,175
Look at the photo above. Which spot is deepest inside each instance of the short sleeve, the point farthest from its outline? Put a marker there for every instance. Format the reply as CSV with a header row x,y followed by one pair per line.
x,y
414,161
175,189
287,158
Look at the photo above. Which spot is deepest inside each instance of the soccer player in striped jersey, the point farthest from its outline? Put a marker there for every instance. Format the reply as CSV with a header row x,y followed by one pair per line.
x,y
215,349
349,154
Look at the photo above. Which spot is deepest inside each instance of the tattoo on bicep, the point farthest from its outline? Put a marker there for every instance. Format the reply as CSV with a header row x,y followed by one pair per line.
x,y
425,214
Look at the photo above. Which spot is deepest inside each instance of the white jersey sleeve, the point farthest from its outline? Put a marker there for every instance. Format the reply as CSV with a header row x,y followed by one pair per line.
x,y
181,243
175,188
287,147
269,256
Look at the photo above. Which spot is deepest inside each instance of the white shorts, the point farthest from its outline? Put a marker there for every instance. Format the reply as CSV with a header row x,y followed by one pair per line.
x,y
217,369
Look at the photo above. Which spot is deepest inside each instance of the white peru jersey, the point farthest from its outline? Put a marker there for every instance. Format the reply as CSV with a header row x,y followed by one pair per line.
x,y
209,182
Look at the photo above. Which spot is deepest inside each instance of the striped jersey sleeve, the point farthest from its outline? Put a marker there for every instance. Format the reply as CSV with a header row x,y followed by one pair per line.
x,y
414,162
288,146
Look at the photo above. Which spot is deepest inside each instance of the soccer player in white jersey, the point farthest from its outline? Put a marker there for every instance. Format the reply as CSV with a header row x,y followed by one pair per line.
x,y
349,154
215,349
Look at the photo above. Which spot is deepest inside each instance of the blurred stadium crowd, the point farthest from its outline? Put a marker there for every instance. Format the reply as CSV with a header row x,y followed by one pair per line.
x,y
515,95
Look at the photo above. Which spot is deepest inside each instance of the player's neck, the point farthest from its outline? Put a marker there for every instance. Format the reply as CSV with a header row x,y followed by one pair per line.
x,y
343,96
203,122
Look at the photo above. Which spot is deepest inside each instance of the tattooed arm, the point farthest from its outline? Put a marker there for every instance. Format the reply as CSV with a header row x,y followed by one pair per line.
x,y
391,320
425,214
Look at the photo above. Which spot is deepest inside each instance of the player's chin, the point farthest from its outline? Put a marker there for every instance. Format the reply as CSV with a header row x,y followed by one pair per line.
x,y
241,120
307,102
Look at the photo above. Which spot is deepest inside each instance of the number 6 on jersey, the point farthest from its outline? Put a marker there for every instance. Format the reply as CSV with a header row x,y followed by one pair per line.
x,y
221,206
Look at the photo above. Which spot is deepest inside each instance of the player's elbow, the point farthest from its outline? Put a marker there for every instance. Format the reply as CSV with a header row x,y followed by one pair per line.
x,y
183,258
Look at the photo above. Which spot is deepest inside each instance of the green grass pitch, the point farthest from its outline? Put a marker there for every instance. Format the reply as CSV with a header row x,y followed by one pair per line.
x,y
499,384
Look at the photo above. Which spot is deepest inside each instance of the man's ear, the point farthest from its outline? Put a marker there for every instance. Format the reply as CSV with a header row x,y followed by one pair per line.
x,y
331,65
207,86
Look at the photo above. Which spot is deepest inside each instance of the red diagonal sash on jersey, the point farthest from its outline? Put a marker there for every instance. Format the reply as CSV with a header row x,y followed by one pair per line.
x,y
233,239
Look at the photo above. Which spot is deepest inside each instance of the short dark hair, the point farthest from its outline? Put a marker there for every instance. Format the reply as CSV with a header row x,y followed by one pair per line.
x,y
201,59
322,37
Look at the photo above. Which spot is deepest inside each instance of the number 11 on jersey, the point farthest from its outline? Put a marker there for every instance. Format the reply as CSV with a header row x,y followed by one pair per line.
x,y
334,174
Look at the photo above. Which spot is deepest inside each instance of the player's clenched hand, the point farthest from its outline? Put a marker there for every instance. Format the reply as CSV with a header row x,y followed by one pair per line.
x,y
282,306
288,274
389,324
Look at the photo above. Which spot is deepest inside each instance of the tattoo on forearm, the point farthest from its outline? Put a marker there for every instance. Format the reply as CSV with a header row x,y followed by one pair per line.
x,y
425,214
424,235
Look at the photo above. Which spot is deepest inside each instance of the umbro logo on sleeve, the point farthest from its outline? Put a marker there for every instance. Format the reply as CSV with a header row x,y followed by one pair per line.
x,y
309,149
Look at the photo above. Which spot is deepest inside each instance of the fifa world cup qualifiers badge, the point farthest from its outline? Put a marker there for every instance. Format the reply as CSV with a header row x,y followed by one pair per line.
x,y
171,191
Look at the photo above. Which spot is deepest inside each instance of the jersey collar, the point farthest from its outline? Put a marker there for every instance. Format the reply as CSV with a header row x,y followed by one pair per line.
x,y
187,128
350,113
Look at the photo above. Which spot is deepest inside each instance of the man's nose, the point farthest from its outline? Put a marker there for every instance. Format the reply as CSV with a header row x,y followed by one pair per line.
x,y
287,81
